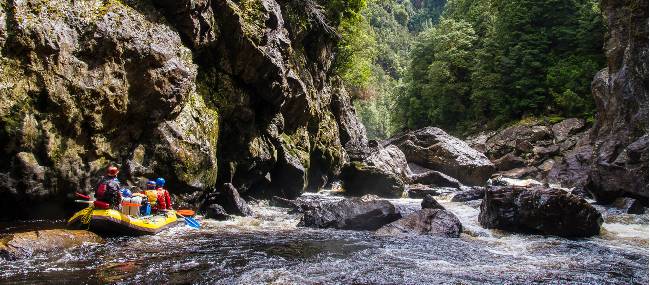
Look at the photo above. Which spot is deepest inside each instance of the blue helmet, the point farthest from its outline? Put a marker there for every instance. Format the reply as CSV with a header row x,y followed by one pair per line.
x,y
151,184
160,181
126,193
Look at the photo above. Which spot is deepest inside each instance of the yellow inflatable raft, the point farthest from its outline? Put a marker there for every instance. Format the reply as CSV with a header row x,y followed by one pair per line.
x,y
113,222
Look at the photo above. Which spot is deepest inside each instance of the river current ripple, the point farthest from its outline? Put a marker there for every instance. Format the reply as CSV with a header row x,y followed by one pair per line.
x,y
269,248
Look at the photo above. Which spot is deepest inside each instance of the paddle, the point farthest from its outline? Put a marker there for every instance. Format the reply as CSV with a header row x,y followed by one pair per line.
x,y
190,221
186,213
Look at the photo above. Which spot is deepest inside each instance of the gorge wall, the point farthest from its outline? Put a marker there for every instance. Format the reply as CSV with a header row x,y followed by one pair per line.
x,y
620,134
201,92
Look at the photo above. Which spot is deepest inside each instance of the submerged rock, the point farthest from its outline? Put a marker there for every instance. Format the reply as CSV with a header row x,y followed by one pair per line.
x,y
350,214
26,244
539,210
435,149
435,222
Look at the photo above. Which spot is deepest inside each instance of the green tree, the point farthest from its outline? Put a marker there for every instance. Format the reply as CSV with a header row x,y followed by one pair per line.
x,y
440,82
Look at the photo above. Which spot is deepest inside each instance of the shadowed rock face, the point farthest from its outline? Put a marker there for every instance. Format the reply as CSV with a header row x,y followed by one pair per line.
x,y
539,210
199,92
266,66
95,83
620,133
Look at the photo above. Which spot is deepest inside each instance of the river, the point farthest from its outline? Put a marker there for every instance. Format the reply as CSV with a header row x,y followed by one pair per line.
x,y
269,248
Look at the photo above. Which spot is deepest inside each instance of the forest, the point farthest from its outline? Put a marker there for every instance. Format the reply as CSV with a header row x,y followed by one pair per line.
x,y
470,65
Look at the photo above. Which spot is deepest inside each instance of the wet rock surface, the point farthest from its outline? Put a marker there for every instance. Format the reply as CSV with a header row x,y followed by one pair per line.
x,y
630,205
233,203
539,210
434,149
26,244
435,222
216,212
364,213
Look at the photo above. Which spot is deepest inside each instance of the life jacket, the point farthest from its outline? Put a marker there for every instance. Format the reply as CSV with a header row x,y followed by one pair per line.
x,y
107,184
152,196
164,201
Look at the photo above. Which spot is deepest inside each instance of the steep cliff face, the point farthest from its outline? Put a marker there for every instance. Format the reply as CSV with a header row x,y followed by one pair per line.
x,y
266,66
200,92
620,133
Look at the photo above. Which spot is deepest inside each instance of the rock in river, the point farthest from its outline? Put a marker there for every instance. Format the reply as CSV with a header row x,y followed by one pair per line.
x,y
435,149
383,173
435,222
350,214
230,201
428,202
24,245
539,210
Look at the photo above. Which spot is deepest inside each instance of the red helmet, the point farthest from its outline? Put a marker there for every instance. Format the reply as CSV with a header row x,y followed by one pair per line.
x,y
112,171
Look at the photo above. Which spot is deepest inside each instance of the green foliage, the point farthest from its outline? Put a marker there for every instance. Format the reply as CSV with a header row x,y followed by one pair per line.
x,y
391,23
440,80
356,54
490,62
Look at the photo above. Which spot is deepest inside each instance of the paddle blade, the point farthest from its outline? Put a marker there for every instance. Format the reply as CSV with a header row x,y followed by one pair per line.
x,y
192,223
186,213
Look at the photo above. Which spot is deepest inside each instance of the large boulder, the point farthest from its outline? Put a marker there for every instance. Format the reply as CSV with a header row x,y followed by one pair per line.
x,y
363,213
471,194
539,210
435,179
620,132
384,173
428,202
26,244
216,212
433,148
508,162
230,201
573,169
519,138
419,191
435,222
566,128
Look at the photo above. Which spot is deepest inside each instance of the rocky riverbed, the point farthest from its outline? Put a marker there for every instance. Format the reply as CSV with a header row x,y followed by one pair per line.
x,y
269,247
